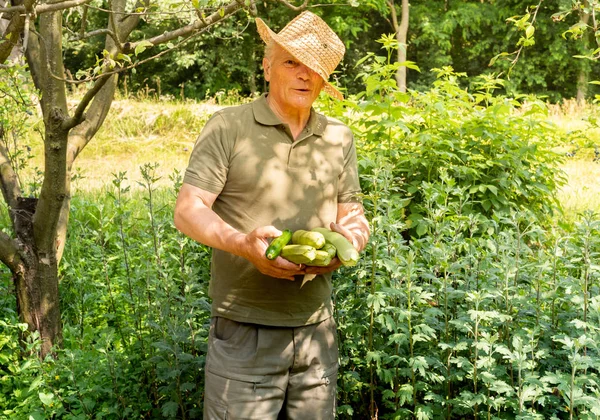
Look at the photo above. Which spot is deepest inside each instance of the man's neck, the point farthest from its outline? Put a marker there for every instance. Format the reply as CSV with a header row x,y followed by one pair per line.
x,y
296,120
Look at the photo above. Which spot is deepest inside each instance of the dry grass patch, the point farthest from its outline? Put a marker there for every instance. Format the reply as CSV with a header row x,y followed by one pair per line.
x,y
135,133
582,191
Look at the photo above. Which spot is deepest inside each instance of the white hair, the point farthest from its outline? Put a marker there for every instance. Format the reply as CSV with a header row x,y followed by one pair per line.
x,y
270,49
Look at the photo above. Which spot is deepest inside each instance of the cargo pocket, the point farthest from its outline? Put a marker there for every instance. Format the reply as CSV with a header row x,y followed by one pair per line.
x,y
329,376
323,397
237,396
231,346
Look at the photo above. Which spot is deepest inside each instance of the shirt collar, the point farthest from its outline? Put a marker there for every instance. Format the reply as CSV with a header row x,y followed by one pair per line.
x,y
265,116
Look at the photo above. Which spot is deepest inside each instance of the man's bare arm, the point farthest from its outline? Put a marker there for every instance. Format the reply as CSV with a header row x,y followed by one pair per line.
x,y
195,218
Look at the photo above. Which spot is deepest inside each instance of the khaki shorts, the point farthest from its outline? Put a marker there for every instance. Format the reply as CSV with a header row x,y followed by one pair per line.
x,y
261,372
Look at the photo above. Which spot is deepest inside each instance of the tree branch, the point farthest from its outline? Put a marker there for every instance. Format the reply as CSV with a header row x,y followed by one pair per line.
x,y
9,252
253,9
9,183
518,52
11,36
198,25
102,95
113,27
99,98
130,21
78,115
45,8
13,31
35,60
300,8
97,32
83,21
54,107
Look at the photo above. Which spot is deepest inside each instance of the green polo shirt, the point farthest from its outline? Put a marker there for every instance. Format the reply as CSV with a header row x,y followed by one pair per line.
x,y
247,156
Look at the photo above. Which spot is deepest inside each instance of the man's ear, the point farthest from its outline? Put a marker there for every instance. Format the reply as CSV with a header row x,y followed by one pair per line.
x,y
267,69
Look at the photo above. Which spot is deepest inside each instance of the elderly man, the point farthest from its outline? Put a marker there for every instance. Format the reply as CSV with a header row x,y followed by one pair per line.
x,y
255,170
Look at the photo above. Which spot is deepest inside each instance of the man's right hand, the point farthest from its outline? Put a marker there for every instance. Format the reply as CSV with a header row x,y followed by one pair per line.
x,y
254,247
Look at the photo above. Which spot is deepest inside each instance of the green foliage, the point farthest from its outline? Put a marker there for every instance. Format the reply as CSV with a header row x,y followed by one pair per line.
x,y
464,320
543,58
16,109
21,383
463,323
493,152
134,306
465,35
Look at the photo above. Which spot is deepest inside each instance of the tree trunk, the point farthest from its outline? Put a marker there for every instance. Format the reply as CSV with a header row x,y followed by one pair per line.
x,y
36,222
401,31
583,76
252,77
36,287
582,86
35,280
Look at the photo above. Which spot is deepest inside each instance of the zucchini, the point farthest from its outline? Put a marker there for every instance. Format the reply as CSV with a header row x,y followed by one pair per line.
x,y
322,259
305,237
277,244
330,249
299,254
324,255
346,252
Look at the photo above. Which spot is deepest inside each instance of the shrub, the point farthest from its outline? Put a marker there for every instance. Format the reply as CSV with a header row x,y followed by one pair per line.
x,y
497,150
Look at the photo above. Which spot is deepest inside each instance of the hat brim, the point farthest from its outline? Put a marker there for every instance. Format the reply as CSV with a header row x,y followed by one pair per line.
x,y
267,35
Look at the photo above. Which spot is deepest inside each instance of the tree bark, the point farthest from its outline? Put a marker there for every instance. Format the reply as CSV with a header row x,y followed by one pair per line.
x,y
583,76
35,283
10,31
401,31
35,221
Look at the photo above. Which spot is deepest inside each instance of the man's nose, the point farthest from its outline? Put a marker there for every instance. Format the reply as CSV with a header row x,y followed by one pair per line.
x,y
304,72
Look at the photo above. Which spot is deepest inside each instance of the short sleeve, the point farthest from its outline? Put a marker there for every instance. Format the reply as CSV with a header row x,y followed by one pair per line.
x,y
209,162
348,183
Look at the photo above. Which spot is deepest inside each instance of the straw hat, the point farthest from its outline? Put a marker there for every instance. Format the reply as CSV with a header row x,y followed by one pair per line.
x,y
308,38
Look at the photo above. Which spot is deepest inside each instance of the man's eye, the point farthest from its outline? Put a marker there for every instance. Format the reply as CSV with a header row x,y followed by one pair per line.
x,y
289,63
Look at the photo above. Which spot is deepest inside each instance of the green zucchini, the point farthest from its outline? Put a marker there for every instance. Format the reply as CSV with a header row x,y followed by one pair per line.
x,y
346,252
305,237
330,249
277,244
299,254
322,259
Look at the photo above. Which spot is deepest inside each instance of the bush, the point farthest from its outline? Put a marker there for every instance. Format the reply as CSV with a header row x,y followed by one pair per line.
x,y
496,150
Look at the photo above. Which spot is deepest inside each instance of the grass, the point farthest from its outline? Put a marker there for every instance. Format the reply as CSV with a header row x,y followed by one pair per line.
x,y
582,191
581,132
135,133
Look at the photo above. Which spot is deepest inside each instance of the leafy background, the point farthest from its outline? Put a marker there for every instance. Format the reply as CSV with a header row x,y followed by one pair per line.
x,y
464,34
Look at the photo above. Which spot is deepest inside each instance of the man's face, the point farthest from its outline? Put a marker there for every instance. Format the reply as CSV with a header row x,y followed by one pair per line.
x,y
293,86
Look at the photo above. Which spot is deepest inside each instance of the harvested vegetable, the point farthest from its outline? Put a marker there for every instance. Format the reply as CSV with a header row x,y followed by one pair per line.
x,y
307,237
275,247
299,254
346,252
